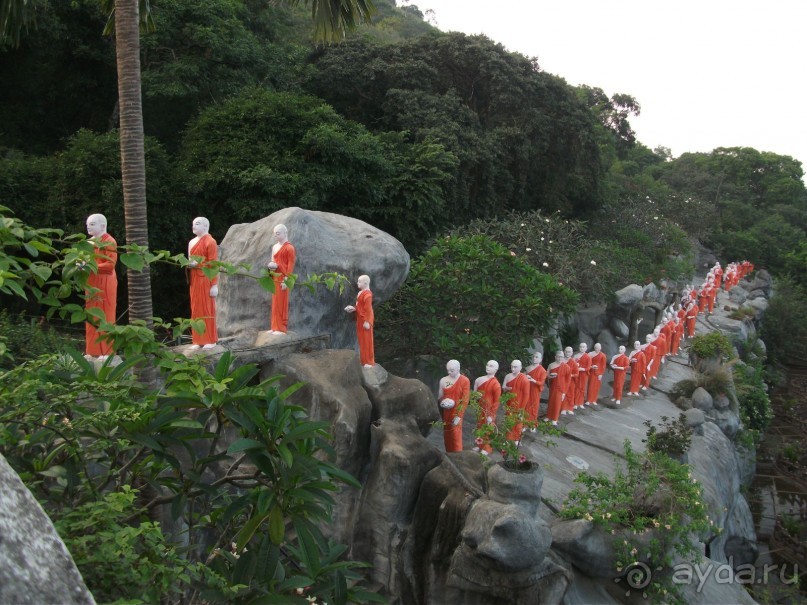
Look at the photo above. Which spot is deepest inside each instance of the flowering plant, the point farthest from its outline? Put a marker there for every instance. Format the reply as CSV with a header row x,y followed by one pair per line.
x,y
498,436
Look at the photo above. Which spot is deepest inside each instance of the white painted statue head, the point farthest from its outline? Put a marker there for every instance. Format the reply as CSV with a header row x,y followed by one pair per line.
x,y
637,345
568,351
453,368
583,347
492,367
281,234
597,347
200,226
96,225
537,357
515,366
622,349
363,282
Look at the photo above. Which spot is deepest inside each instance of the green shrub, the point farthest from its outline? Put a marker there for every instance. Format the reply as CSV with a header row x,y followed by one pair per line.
x,y
654,493
121,559
671,437
471,299
26,339
712,345
755,405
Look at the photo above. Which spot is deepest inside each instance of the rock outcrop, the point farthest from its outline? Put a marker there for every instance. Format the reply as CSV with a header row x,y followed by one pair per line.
x,y
35,567
324,243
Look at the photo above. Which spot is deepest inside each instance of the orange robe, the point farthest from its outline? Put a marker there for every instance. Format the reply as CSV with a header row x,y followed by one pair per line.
x,y
364,312
491,391
520,387
702,296
203,306
622,362
668,330
583,368
558,382
638,365
106,298
284,258
718,277
691,316
678,333
661,345
595,379
538,373
650,358
571,388
460,392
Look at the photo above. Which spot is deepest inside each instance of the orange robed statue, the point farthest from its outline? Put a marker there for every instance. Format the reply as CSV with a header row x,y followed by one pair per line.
x,y
104,283
201,250
638,365
619,364
538,374
282,265
583,371
365,319
596,371
557,376
517,383
453,396
571,386
491,391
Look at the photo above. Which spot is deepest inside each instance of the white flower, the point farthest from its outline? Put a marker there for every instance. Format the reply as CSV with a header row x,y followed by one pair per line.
x,y
547,220
545,264
655,218
529,249
594,263
542,239
522,224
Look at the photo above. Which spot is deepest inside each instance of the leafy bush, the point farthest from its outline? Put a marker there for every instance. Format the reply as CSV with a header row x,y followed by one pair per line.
x,y
473,300
252,508
712,345
655,493
671,437
755,405
25,339
121,559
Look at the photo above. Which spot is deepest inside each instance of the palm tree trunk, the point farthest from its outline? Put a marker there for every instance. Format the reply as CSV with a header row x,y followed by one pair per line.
x,y
133,160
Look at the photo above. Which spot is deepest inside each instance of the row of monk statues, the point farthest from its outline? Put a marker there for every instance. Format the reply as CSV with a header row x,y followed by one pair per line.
x,y
102,290
575,379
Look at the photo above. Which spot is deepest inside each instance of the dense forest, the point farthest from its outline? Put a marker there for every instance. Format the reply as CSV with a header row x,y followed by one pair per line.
x,y
472,155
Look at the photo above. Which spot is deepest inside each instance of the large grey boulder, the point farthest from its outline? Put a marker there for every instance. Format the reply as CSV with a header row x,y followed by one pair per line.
x,y
324,243
702,400
591,319
625,300
35,567
619,328
610,346
738,295
762,281
731,327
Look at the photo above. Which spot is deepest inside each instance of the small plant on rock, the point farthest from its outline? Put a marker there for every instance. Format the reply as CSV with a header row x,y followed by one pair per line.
x,y
495,436
711,345
653,509
671,437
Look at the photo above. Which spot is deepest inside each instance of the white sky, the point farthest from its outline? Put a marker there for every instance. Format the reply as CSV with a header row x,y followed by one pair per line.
x,y
707,73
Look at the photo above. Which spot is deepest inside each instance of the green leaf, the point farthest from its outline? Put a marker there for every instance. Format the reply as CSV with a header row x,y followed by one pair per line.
x,y
277,528
135,262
